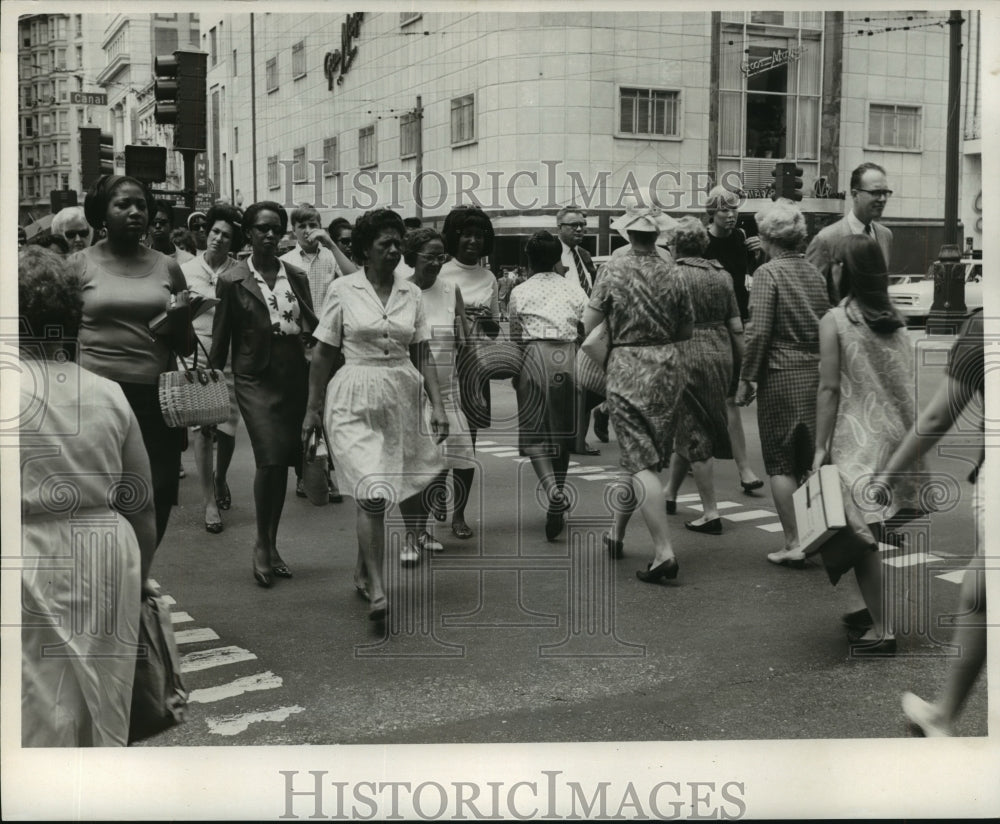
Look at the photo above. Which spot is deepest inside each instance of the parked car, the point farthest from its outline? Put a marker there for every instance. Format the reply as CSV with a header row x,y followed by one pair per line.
x,y
913,295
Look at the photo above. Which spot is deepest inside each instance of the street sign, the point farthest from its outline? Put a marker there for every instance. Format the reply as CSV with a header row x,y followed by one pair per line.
x,y
88,98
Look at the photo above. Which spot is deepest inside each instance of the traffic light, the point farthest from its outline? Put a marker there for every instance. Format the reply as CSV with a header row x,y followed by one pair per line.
x,y
146,163
106,153
787,181
181,100
90,155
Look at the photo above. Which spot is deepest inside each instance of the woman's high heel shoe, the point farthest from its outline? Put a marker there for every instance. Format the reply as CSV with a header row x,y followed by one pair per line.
x,y
379,609
652,574
262,578
671,507
616,549
748,488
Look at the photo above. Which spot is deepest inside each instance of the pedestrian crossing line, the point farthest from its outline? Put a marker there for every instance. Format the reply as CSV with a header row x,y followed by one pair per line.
x,y
480,443
912,559
586,470
251,683
220,656
749,515
511,454
168,599
953,577
180,617
492,449
195,636
775,527
683,499
235,724
719,505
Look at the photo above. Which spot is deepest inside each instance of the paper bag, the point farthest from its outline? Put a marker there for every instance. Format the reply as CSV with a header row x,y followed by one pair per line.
x,y
819,508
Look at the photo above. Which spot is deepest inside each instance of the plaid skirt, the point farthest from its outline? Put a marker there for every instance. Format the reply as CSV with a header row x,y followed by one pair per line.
x,y
786,418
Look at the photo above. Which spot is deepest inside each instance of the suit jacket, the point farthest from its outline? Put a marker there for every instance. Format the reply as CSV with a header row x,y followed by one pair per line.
x,y
823,247
587,262
242,319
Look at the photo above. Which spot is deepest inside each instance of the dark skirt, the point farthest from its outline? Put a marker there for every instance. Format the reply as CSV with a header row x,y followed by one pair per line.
x,y
163,445
702,424
545,395
273,403
786,418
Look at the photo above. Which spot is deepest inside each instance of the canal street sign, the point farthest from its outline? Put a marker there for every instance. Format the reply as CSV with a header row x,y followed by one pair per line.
x,y
88,98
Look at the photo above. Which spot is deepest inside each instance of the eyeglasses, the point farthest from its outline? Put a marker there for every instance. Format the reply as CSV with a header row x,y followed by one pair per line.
x,y
198,226
433,258
73,234
887,193
580,226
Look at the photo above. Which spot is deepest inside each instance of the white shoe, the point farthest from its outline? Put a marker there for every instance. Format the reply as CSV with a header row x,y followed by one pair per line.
x,y
427,543
924,720
789,557
408,555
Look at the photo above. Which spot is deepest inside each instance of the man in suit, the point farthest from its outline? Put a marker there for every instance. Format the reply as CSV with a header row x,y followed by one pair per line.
x,y
870,193
576,263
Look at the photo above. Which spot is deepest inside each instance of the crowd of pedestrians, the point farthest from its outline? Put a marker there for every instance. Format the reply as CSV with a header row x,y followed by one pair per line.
x,y
381,339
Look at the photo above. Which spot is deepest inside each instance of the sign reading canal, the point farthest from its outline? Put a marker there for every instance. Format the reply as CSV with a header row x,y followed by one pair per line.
x,y
88,98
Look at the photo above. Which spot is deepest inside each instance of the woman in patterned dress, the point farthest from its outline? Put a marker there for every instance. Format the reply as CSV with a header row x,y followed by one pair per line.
x,y
781,364
648,311
382,431
468,237
264,315
545,314
864,409
702,423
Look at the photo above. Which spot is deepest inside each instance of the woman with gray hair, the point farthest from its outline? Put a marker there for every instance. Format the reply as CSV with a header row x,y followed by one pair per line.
x,y
71,223
702,426
781,364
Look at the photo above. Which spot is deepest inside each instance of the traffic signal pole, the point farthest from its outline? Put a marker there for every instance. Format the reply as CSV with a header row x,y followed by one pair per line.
x,y
189,156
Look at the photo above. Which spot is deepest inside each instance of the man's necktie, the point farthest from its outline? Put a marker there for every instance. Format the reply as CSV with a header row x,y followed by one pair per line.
x,y
868,229
581,270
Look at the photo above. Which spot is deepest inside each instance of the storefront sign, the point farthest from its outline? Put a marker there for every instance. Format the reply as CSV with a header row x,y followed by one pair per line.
x,y
338,63
778,57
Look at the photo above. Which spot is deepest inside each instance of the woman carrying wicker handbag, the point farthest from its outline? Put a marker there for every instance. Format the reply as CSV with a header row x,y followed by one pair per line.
x,y
264,314
124,286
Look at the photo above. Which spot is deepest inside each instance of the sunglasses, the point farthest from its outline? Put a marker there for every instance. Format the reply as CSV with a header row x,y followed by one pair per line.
x,y
198,226
73,234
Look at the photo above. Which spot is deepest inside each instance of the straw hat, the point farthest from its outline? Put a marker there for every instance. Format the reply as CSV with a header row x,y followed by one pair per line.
x,y
645,219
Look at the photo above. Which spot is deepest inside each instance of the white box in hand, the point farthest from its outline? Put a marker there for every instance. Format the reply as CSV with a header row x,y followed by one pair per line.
x,y
819,508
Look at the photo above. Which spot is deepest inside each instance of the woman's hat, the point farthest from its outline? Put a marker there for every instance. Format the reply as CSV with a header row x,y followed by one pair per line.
x,y
645,219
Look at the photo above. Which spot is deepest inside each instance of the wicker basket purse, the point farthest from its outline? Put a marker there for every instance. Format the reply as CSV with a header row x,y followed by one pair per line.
x,y
194,396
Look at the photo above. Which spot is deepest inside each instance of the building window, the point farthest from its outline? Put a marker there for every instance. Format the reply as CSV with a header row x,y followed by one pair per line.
x,y
79,25
409,135
299,60
46,124
164,16
366,147
406,17
46,155
273,175
331,157
463,119
29,156
649,112
29,127
213,55
299,164
61,92
236,139
64,152
79,57
271,74
61,59
894,127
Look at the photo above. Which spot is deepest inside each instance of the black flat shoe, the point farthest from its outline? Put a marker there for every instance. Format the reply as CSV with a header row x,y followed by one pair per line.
x,y
378,610
214,528
884,647
652,574
859,619
263,579
223,497
748,488
616,549
712,527
671,507
554,523
282,571
601,425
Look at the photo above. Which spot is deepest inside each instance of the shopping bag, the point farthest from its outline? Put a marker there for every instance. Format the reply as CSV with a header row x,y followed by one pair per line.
x,y
159,700
819,508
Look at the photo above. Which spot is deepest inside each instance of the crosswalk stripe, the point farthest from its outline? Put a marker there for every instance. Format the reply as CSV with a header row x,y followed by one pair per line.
x,y
168,599
180,617
235,724
694,496
720,505
775,527
251,683
194,636
954,577
912,559
492,449
512,454
220,656
749,515
599,477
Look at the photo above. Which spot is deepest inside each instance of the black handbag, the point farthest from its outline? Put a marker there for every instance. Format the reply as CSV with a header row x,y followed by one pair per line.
x,y
159,700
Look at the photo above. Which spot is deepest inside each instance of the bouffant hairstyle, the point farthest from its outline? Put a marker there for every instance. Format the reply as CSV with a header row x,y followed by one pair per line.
x,y
368,228
782,224
864,283
48,294
95,205
65,216
543,250
462,217
254,209
52,241
415,240
690,238
229,214
183,239
719,197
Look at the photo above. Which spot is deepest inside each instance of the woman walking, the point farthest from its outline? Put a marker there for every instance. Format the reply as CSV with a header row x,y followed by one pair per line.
x,y
468,237
545,316
648,311
864,408
702,427
264,315
383,436
781,365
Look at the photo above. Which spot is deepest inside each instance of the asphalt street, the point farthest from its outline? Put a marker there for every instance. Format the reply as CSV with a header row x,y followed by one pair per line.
x,y
509,638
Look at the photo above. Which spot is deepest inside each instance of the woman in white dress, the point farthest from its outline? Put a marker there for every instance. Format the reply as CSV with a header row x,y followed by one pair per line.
x,y
87,526
468,237
423,250
383,436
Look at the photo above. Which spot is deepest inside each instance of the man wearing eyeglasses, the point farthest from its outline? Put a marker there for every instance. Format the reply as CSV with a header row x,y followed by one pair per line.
x,y
71,224
870,194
